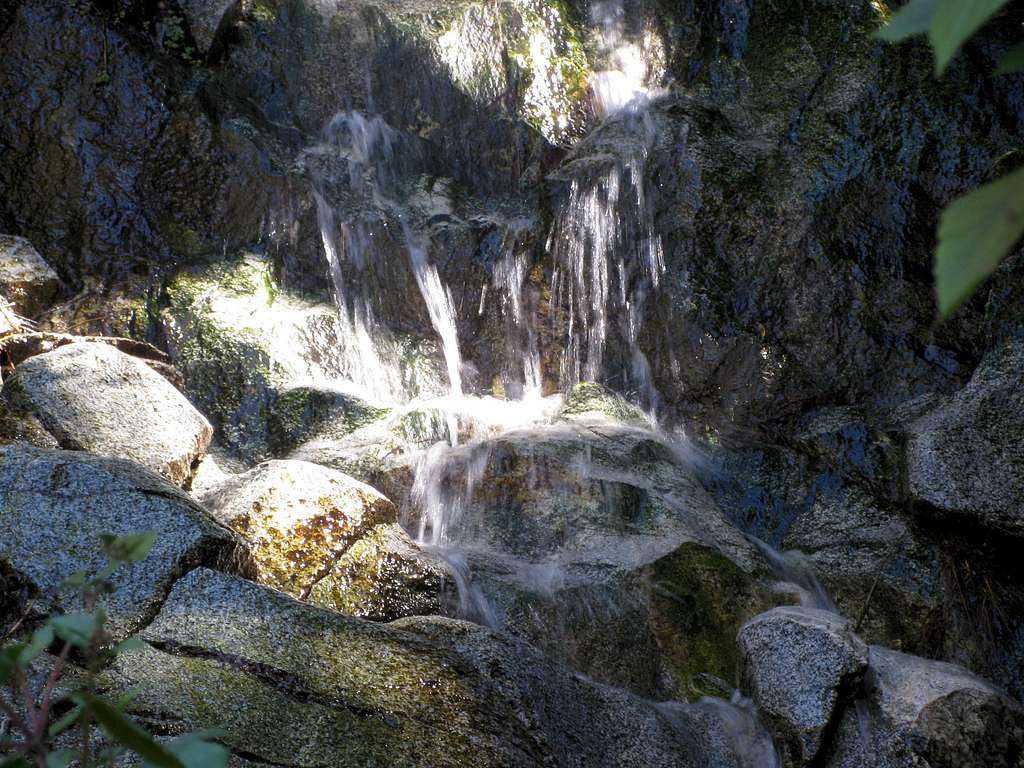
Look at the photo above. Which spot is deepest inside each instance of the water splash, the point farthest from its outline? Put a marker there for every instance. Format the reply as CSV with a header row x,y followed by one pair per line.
x,y
730,727
625,84
794,569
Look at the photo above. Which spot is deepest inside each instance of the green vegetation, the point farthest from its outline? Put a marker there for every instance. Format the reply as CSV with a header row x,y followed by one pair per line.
x,y
980,229
47,699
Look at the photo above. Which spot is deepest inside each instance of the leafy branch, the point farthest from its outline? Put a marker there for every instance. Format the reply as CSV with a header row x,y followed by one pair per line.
x,y
32,695
980,229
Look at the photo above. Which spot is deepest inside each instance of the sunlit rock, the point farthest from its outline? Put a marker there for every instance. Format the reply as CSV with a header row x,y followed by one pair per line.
x,y
914,712
801,667
382,577
292,684
93,397
299,518
27,282
56,505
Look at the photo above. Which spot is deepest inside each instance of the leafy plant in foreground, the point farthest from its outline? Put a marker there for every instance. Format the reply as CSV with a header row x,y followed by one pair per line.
x,y
978,230
43,710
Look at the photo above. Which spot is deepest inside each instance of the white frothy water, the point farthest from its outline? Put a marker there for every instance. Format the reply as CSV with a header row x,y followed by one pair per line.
x,y
625,83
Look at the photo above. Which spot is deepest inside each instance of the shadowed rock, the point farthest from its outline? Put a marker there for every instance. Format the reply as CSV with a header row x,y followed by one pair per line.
x,y
916,712
26,281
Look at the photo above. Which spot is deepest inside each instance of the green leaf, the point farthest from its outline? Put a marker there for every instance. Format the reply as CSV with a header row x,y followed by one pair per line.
x,y
10,661
15,762
975,234
1013,61
118,727
62,758
129,549
77,628
954,22
131,644
198,750
65,722
41,640
75,581
913,19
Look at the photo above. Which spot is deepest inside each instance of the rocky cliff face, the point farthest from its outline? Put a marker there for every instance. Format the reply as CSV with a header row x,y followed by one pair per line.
x,y
721,211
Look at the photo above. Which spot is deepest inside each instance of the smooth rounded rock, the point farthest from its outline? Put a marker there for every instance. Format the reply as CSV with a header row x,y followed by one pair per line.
x,y
55,506
93,397
299,518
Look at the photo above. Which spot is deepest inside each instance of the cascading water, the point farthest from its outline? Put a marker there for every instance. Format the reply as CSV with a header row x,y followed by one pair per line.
x,y
609,260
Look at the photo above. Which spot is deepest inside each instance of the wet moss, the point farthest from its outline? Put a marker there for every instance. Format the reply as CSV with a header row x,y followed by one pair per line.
x,y
700,599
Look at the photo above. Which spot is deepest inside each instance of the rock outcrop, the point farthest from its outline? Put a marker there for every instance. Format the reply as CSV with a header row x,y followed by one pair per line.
x,y
295,685
56,505
801,667
92,397
299,518
965,459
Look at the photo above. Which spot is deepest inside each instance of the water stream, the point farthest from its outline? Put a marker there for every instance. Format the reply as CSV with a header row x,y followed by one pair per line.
x,y
606,262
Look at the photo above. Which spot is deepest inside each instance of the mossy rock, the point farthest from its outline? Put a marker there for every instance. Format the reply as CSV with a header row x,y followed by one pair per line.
x,y
699,600
589,397
295,685
299,413
382,577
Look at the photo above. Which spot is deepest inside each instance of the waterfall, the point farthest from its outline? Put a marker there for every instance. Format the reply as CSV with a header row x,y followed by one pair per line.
x,y
609,260
509,281
375,173
624,84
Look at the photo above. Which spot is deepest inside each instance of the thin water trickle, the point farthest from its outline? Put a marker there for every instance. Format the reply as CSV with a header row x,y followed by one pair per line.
x,y
609,261
734,724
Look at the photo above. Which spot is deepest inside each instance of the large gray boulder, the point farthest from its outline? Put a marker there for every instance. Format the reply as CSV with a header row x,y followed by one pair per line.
x,y
26,281
93,397
55,505
800,666
966,457
295,685
298,517
917,713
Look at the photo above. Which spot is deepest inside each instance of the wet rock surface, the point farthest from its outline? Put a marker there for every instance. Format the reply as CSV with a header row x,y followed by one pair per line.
x,y
92,397
745,252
